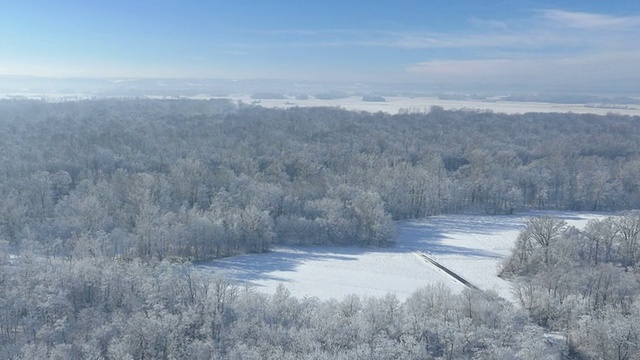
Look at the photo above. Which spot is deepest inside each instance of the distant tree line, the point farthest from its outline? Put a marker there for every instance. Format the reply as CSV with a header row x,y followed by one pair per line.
x,y
203,179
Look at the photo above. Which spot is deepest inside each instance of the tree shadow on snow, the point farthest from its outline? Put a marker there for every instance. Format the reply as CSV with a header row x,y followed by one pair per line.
x,y
258,267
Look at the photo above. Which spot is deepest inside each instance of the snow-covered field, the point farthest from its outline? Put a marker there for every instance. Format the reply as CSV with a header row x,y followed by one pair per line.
x,y
394,104
469,245
391,105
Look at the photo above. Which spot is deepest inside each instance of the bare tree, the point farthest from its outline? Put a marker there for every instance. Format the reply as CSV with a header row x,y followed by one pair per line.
x,y
545,231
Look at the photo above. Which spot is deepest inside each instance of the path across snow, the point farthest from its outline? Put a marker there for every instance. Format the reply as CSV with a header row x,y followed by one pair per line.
x,y
449,272
470,246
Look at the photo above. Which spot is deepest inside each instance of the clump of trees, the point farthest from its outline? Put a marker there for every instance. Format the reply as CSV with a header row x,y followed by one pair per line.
x,y
373,98
584,283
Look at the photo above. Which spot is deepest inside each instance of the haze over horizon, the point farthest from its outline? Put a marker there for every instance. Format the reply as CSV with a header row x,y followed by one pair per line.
x,y
590,47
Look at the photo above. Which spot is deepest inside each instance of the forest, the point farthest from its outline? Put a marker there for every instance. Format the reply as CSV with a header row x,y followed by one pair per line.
x,y
104,203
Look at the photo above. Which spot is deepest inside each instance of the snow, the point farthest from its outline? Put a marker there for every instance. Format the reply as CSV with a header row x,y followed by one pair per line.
x,y
391,105
471,246
333,272
394,104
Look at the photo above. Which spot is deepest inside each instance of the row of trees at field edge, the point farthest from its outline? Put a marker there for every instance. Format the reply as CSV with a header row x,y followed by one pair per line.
x,y
204,179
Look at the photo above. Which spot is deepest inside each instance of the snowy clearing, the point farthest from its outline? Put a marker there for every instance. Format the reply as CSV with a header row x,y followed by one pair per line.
x,y
470,246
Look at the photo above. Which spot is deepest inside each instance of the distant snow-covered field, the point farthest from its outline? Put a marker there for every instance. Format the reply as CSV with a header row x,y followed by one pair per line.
x,y
471,246
394,104
391,105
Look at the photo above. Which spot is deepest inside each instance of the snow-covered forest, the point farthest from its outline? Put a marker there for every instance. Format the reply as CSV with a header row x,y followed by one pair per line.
x,y
203,179
104,203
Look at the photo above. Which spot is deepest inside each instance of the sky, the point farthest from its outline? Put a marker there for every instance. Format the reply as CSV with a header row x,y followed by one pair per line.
x,y
582,46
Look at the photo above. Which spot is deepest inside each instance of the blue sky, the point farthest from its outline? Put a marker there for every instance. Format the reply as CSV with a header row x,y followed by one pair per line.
x,y
581,45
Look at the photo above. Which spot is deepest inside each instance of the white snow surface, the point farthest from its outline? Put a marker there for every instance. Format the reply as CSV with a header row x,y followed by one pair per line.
x,y
394,104
471,246
391,105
